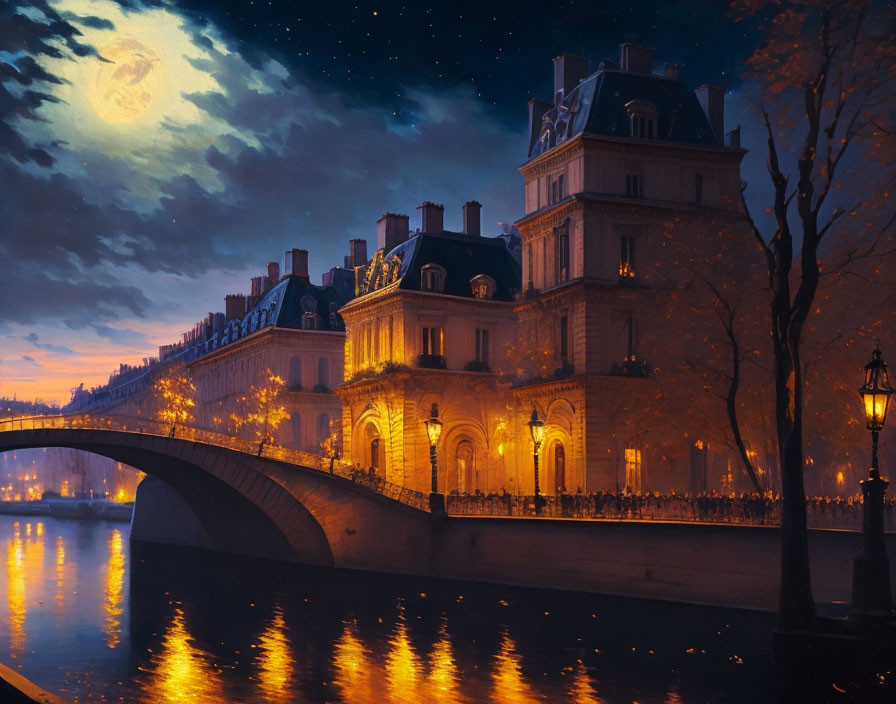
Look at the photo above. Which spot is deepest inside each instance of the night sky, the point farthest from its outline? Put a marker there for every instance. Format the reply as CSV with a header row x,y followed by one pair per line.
x,y
263,126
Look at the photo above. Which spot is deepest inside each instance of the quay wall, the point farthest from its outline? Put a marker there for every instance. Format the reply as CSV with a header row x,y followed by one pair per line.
x,y
712,564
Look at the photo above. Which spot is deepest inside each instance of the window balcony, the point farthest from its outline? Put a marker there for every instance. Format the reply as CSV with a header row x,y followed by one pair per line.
x,y
431,361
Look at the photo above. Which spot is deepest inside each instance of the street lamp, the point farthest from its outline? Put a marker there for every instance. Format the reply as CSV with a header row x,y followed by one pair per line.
x,y
871,595
536,429
434,430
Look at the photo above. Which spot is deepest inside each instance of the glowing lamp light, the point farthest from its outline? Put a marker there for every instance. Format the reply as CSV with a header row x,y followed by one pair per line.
x,y
876,392
536,428
433,426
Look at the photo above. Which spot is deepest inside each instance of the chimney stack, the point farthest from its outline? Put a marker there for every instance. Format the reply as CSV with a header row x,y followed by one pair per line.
x,y
257,287
634,58
569,69
234,306
712,100
432,217
297,262
273,272
391,230
471,218
357,253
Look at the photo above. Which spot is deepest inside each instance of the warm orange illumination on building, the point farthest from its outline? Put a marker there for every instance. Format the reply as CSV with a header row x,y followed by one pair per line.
x,y
181,673
114,583
275,661
841,480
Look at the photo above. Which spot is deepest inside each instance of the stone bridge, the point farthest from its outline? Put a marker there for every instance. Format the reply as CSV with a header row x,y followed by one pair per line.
x,y
252,505
277,508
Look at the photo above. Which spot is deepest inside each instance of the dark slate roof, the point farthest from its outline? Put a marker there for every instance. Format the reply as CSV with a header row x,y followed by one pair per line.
x,y
597,106
463,257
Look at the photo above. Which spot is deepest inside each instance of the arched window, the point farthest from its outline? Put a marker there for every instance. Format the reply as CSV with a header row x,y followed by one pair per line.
x,y
295,422
559,467
323,373
483,286
376,454
310,321
432,277
295,373
464,467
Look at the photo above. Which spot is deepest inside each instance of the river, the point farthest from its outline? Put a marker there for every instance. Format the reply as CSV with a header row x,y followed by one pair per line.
x,y
93,618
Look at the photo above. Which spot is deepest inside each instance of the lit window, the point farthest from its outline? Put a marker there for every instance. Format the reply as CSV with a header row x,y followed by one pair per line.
x,y
482,286
432,278
432,341
633,470
626,257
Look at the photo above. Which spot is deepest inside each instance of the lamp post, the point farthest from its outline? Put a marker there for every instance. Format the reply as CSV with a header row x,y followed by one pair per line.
x,y
434,430
871,595
536,429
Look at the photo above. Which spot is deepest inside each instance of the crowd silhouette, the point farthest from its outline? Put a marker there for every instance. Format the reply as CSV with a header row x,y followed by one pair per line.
x,y
711,507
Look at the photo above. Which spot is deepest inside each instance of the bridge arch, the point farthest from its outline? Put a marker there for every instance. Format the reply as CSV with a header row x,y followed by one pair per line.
x,y
240,507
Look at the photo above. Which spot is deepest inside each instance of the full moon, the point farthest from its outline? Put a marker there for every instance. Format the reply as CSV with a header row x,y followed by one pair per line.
x,y
125,86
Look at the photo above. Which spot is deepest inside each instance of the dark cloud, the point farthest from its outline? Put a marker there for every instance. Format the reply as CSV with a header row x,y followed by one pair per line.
x,y
34,339
31,361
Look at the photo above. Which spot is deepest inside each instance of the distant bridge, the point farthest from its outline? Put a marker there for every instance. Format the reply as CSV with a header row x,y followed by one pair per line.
x,y
282,505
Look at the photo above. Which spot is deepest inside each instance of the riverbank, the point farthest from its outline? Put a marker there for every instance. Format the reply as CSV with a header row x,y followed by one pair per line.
x,y
15,689
80,509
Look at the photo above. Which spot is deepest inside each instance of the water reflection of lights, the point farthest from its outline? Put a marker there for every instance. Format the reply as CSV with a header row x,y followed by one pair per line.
x,y
353,668
402,665
114,582
181,672
15,592
60,573
275,663
580,688
443,680
508,684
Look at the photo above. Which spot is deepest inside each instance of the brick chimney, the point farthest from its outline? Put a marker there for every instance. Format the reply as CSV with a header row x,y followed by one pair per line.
x,y
634,58
273,272
712,100
357,253
569,69
432,217
234,306
297,262
471,218
257,286
391,230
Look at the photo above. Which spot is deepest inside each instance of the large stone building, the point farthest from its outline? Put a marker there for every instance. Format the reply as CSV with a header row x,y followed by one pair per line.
x,y
450,318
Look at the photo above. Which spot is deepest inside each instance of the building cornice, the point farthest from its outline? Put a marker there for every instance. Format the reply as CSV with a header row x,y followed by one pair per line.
x,y
266,337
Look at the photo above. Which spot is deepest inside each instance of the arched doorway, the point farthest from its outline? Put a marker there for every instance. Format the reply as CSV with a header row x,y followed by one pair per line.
x,y
559,467
464,467
376,456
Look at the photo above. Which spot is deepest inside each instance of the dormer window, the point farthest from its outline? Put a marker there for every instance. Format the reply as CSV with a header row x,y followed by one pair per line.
x,y
432,278
310,321
483,286
643,119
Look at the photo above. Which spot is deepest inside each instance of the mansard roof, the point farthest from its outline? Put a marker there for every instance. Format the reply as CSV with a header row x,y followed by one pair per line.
x,y
462,257
597,105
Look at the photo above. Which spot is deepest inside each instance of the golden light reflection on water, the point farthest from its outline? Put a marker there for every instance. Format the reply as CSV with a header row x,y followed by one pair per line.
x,y
113,585
402,665
354,673
60,574
181,672
442,680
581,691
15,592
508,684
275,663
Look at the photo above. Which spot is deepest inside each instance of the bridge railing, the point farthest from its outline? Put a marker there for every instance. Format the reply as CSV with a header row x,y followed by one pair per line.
x,y
148,426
